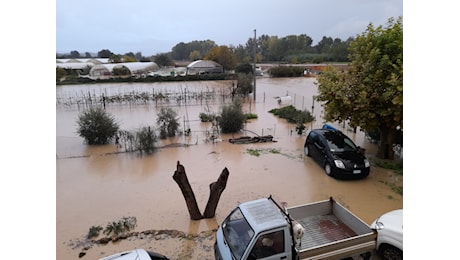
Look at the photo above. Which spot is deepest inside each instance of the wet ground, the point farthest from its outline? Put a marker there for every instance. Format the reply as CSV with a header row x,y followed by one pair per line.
x,y
99,184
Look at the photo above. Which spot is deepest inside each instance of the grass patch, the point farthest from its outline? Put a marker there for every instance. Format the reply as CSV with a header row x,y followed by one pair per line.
x,y
254,152
258,152
250,116
397,189
397,167
275,151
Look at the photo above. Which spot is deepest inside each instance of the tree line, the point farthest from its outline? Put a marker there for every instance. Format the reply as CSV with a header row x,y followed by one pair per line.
x,y
288,49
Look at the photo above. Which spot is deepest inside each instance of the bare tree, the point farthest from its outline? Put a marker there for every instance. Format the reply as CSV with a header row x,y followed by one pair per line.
x,y
181,179
216,189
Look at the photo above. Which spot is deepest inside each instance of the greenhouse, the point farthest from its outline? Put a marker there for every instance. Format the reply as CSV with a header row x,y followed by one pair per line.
x,y
135,69
204,67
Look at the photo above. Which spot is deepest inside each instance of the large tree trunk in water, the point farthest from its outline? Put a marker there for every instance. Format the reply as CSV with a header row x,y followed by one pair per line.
x,y
216,189
386,143
181,179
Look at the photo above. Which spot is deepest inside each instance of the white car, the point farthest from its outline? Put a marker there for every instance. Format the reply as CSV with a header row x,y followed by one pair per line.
x,y
136,254
389,229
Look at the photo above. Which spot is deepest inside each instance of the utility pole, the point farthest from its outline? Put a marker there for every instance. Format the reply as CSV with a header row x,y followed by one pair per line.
x,y
255,53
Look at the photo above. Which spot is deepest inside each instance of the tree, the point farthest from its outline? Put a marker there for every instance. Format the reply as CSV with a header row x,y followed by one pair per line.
x,y
244,83
167,122
146,139
128,58
370,93
96,126
104,53
222,55
74,54
216,188
115,58
195,55
163,60
232,118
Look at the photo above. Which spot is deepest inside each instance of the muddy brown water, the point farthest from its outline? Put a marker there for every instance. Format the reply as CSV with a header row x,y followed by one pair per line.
x,y
99,184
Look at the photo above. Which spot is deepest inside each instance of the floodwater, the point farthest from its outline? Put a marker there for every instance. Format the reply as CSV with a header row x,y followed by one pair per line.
x,y
96,185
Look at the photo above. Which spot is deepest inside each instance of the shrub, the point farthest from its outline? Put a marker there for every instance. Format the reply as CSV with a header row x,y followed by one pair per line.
x,y
231,119
167,122
204,117
250,116
146,139
96,126
293,115
121,226
94,231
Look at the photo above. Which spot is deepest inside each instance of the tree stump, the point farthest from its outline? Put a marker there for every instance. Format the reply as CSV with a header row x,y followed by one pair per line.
x,y
181,179
216,189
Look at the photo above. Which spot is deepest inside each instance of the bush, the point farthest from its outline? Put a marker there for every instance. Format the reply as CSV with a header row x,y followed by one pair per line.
x,y
250,116
231,119
146,139
94,231
204,117
96,126
167,122
121,226
292,115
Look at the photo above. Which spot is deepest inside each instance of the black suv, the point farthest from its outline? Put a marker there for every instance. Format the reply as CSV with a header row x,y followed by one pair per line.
x,y
336,153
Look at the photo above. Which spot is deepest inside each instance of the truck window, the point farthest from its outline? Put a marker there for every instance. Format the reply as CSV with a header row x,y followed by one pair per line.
x,y
237,233
268,245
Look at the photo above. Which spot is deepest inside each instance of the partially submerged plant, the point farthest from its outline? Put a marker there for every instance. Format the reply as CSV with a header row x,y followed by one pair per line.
x,y
123,225
94,231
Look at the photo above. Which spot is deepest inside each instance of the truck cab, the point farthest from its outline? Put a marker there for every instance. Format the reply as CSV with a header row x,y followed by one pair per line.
x,y
254,230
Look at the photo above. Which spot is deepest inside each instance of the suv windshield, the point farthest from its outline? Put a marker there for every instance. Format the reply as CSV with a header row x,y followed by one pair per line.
x,y
339,143
237,232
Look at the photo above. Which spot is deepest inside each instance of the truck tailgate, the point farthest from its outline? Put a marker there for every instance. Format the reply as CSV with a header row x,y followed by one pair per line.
x,y
331,231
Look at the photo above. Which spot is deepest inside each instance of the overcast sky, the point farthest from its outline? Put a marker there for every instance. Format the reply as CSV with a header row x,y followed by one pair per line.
x,y
153,27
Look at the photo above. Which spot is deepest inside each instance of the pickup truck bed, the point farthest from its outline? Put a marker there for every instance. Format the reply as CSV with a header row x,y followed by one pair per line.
x,y
330,229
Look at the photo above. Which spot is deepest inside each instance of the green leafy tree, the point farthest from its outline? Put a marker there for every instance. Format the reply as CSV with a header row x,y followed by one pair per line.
x,y
167,122
370,93
232,118
96,126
